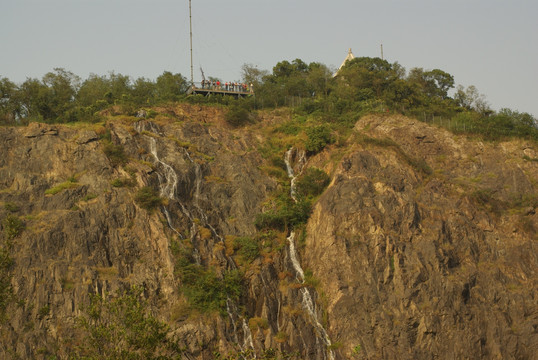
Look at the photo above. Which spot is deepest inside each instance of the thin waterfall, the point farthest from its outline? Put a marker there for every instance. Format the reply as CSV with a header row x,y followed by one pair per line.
x,y
307,302
168,182
169,221
168,188
229,306
247,336
293,257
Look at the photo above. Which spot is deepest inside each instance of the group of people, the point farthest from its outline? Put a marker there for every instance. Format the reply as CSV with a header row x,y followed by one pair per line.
x,y
227,86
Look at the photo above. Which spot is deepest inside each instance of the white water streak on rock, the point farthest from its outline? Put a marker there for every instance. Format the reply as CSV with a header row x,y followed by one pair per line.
x,y
168,187
229,306
293,257
169,220
307,302
247,335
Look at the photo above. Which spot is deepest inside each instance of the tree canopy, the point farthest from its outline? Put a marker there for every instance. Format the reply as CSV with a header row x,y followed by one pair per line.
x,y
363,85
61,96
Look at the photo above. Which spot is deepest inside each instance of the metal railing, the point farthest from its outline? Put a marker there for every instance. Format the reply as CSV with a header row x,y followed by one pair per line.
x,y
223,87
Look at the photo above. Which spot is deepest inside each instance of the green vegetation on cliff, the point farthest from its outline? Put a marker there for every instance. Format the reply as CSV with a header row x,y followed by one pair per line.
x,y
121,327
395,182
364,85
205,290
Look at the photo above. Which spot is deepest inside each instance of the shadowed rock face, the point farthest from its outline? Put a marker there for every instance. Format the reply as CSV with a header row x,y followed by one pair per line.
x,y
424,246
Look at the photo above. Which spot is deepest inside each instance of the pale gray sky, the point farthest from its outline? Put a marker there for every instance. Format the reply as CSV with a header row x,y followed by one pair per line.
x,y
492,44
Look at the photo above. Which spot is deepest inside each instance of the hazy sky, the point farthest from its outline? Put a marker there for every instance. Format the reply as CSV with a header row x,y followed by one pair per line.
x,y
492,44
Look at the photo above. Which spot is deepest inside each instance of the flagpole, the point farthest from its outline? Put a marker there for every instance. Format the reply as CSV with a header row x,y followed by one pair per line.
x,y
190,23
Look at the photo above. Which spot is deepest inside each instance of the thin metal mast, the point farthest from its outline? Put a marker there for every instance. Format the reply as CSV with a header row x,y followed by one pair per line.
x,y
382,52
190,23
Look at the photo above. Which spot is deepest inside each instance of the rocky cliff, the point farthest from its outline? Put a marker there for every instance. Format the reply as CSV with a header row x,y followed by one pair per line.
x,y
424,244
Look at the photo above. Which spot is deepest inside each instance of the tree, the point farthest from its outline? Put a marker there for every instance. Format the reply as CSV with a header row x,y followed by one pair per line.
x,y
318,78
143,91
169,87
120,88
470,98
237,116
62,87
34,99
9,107
439,82
121,327
291,78
287,69
403,94
366,72
318,137
252,75
93,89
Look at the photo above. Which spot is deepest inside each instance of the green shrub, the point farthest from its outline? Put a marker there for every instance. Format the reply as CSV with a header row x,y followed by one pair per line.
x,y
504,124
318,137
286,213
205,290
122,327
237,116
123,182
117,183
44,311
11,207
69,184
6,262
485,198
13,226
247,248
312,182
115,154
288,128
310,280
147,198
89,197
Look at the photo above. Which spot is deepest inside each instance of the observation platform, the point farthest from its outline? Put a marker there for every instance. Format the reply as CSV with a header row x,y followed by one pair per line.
x,y
208,90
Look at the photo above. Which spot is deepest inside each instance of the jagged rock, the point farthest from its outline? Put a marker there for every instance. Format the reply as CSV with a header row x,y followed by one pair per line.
x,y
86,137
407,264
426,278
38,129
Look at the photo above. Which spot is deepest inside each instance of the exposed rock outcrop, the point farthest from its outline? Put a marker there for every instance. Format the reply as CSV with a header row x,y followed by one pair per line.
x,y
423,246
418,267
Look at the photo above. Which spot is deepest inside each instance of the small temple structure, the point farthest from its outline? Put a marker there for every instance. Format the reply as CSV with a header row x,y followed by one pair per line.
x,y
349,56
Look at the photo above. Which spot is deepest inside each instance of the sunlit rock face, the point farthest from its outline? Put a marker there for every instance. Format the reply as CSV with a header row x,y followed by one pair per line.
x,y
424,245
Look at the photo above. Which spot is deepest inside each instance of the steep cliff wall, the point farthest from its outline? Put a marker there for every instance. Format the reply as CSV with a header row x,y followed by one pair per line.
x,y
424,244
433,259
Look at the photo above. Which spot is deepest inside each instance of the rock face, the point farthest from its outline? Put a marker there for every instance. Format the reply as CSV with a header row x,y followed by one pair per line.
x,y
420,267
423,246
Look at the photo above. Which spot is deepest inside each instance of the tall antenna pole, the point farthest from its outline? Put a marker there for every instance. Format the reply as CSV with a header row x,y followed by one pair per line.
x,y
190,23
382,52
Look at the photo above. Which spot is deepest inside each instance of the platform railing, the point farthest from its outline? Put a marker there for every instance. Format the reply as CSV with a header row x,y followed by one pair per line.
x,y
231,88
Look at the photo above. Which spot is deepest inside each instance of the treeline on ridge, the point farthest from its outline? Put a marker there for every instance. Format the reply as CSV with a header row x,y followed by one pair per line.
x,y
364,85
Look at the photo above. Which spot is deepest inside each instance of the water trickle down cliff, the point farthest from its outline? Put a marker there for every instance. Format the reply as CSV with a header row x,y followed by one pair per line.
x,y
168,188
307,301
